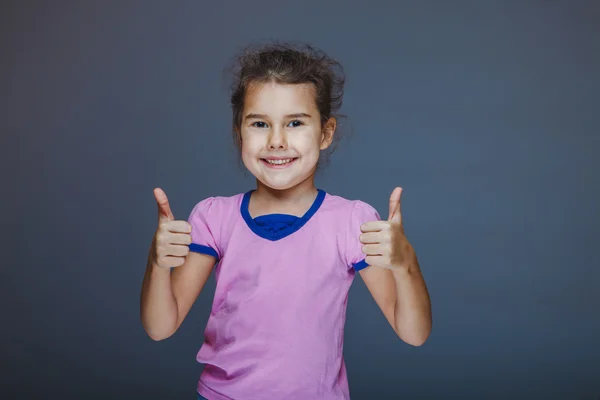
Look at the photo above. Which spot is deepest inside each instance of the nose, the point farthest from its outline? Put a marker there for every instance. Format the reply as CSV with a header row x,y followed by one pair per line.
x,y
277,140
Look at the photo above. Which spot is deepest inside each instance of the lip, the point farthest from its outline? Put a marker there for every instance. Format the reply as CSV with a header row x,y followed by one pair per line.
x,y
278,166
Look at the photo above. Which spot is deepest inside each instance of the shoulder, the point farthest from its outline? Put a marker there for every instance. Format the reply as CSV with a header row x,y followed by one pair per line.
x,y
350,208
346,217
216,206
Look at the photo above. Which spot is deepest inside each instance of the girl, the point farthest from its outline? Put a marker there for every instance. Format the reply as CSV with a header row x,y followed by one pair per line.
x,y
285,253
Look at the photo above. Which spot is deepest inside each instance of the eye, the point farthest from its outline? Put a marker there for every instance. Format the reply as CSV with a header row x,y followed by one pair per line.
x,y
295,123
259,124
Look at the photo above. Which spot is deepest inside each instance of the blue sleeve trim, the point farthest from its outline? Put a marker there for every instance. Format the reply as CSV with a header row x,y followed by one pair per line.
x,y
198,248
360,265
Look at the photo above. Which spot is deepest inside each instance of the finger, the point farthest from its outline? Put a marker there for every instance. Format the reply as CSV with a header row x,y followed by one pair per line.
x,y
174,261
394,213
375,260
164,209
178,226
177,250
180,238
374,226
370,237
372,249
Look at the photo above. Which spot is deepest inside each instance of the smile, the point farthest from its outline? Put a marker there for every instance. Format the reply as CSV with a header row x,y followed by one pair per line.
x,y
278,163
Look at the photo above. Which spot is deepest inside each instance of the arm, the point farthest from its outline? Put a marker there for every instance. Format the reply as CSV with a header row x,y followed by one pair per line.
x,y
167,296
403,298
394,277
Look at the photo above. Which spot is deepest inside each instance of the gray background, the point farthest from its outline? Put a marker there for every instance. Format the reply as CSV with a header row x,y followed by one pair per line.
x,y
486,112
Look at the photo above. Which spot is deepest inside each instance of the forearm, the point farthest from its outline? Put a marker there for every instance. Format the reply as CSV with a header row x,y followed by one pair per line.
x,y
413,305
158,307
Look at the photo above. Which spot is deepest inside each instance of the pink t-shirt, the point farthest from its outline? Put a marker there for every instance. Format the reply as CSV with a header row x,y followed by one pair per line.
x,y
276,328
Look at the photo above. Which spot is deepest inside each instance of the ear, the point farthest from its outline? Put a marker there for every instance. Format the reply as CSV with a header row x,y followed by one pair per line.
x,y
327,133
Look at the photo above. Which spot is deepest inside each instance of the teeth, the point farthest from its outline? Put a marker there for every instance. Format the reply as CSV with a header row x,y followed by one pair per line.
x,y
279,162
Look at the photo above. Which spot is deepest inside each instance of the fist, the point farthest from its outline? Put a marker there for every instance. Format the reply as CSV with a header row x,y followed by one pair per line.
x,y
384,242
172,238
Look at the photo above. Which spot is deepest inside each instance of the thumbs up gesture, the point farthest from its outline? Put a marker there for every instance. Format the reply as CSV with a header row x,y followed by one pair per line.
x,y
171,240
384,242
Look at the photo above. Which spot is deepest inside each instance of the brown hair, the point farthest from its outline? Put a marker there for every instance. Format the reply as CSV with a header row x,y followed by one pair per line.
x,y
288,64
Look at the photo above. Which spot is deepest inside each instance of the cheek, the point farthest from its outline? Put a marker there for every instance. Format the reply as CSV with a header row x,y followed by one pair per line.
x,y
250,146
247,153
310,144
248,157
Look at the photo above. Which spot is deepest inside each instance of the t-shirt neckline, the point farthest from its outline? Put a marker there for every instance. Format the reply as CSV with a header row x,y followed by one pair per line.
x,y
294,227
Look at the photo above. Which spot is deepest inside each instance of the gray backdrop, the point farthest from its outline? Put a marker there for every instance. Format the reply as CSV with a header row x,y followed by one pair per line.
x,y
486,112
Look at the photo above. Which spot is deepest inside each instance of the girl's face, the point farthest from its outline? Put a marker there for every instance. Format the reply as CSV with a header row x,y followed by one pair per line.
x,y
281,134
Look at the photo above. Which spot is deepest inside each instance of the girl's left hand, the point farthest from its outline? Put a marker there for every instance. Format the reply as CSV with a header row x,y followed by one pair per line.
x,y
384,242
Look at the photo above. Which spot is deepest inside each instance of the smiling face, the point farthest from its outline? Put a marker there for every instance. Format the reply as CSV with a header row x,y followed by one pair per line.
x,y
281,134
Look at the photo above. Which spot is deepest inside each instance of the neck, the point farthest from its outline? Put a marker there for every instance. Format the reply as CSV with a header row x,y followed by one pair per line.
x,y
304,190
295,200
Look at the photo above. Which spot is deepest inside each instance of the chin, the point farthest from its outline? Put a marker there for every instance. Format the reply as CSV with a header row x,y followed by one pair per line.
x,y
275,188
279,181
280,177
281,185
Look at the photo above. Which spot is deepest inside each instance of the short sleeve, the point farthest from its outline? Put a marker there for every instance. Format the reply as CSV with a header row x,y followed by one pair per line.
x,y
204,222
361,213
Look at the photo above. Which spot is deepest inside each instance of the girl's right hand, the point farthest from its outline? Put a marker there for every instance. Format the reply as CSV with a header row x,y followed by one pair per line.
x,y
171,240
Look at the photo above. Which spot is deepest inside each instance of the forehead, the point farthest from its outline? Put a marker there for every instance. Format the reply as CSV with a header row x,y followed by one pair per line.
x,y
275,98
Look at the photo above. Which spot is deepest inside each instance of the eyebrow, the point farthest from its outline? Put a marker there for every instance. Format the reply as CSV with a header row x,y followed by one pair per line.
x,y
263,116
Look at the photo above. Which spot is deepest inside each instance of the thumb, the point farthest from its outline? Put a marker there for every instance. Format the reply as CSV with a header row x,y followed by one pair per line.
x,y
395,205
164,210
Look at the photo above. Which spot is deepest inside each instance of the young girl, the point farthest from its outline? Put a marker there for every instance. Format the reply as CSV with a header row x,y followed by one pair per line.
x,y
285,253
